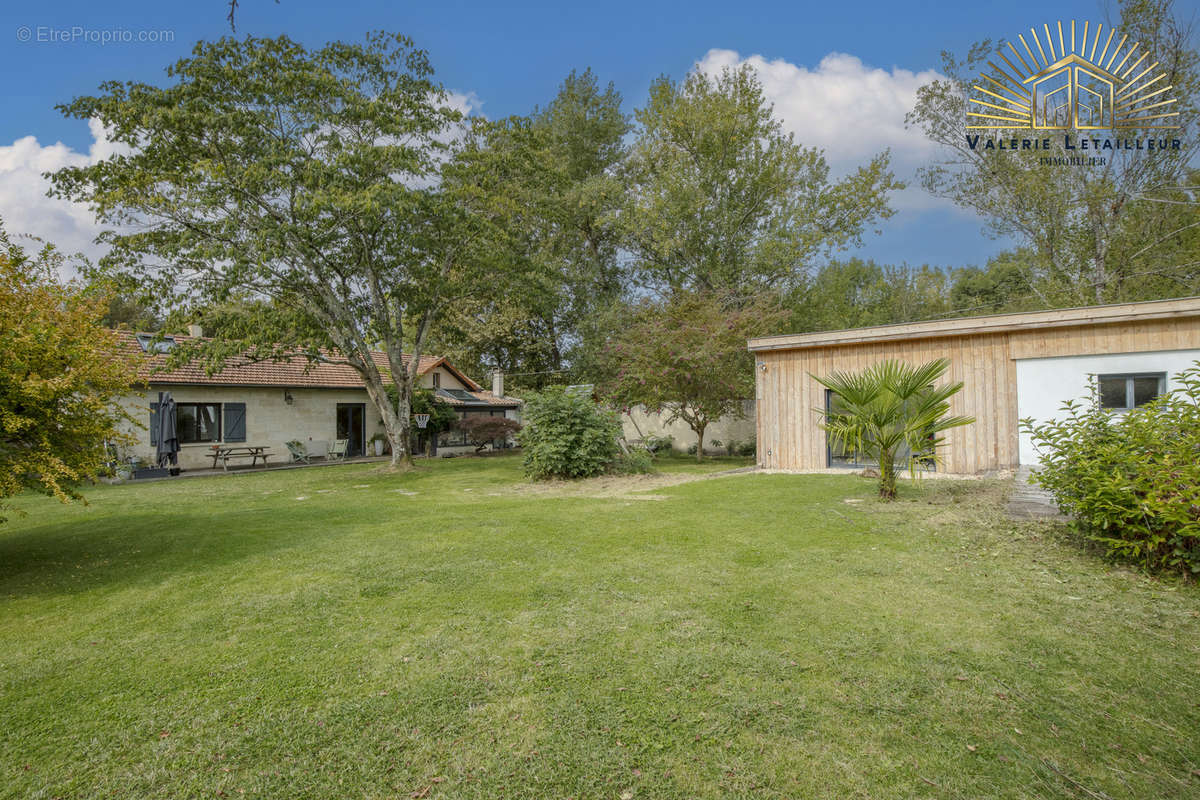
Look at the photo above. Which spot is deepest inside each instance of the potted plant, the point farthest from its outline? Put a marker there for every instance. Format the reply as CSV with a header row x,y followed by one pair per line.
x,y
378,441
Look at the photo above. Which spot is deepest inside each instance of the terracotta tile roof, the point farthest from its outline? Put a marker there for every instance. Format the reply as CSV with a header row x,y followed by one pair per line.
x,y
294,373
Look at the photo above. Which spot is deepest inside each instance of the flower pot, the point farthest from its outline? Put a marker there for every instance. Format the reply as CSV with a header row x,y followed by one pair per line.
x,y
378,447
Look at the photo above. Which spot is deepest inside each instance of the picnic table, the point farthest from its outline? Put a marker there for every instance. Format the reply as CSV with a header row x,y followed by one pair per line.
x,y
252,452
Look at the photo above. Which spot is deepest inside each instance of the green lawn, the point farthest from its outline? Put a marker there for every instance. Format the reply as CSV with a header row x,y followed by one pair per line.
x,y
453,633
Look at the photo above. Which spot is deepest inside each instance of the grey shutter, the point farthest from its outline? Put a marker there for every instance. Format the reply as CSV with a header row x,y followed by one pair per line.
x,y
235,422
154,423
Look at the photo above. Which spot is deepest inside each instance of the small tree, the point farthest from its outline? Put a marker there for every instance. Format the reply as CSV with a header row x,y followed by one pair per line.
x,y
888,408
482,431
687,358
567,435
61,373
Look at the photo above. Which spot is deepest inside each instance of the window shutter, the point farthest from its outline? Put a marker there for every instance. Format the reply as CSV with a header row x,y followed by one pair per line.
x,y
154,424
235,422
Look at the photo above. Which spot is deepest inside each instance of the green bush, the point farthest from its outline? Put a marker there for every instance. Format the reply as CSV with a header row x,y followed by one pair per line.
x,y
658,444
1130,481
567,435
635,462
748,447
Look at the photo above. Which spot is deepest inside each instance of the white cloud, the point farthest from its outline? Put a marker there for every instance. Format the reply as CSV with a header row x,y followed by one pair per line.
x,y
850,110
843,106
24,206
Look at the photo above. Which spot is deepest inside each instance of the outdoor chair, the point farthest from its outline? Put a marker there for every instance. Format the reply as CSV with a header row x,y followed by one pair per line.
x,y
338,451
299,452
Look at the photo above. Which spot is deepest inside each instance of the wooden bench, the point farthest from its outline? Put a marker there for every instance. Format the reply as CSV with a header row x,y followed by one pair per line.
x,y
252,452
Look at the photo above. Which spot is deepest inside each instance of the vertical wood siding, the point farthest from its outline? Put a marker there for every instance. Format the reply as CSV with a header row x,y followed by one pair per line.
x,y
788,398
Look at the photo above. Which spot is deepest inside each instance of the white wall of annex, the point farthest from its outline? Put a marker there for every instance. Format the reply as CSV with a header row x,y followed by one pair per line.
x,y
1044,384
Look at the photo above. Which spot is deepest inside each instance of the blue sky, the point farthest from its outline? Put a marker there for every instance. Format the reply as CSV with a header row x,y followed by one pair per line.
x,y
841,75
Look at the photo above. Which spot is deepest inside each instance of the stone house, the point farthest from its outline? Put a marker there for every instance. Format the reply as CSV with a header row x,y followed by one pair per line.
x,y
269,403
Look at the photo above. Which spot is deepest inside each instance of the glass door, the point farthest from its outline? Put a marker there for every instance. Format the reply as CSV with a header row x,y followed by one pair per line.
x,y
351,419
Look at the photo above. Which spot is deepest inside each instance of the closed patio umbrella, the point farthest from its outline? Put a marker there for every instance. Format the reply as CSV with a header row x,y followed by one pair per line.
x,y
168,437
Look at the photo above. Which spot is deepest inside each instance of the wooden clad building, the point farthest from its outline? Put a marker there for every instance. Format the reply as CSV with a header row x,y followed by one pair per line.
x,y
1012,366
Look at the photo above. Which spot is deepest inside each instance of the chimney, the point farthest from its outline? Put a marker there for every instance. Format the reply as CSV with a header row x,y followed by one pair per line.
x,y
195,331
498,383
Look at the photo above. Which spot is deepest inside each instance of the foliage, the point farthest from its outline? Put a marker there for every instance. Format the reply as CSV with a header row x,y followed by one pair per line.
x,y
1130,481
856,293
1123,230
687,357
720,198
61,374
567,435
638,461
483,431
657,444
566,184
889,408
442,416
328,182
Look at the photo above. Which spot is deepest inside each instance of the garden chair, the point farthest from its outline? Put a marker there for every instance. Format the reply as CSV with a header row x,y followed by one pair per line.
x,y
338,451
299,452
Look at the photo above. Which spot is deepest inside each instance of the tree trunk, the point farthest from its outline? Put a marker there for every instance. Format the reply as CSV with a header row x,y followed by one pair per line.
x,y
700,442
887,476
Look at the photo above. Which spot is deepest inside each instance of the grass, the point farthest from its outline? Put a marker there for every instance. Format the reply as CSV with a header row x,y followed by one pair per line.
x,y
451,633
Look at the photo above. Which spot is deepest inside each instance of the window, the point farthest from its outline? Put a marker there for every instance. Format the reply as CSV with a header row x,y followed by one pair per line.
x,y
148,345
198,422
437,380
837,454
1123,392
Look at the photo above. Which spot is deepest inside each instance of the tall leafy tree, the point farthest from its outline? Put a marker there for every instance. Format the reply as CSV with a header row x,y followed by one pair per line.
x,y
62,373
1088,227
328,181
569,192
720,198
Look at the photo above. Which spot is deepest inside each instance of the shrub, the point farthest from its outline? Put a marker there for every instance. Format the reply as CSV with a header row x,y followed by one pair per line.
x,y
567,435
658,444
482,431
748,447
1130,481
635,462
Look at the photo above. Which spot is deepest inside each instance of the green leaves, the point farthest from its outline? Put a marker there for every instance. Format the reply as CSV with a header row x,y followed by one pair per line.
x,y
720,198
892,409
1130,481
567,435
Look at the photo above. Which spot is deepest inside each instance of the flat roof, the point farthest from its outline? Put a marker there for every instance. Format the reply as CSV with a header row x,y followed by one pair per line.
x,y
992,323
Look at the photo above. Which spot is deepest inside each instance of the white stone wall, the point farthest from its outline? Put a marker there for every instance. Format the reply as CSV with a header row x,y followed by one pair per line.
x,y
1044,384
270,420
311,417
639,423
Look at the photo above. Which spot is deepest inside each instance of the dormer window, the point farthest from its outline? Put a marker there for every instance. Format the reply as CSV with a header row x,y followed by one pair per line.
x,y
149,345
437,380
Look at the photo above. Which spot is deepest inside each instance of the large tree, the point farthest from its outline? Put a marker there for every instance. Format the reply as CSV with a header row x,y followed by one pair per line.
x,y
570,193
335,182
720,198
62,373
1099,231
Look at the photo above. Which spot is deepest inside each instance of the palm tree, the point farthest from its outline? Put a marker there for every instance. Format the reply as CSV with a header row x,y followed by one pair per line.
x,y
890,407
